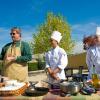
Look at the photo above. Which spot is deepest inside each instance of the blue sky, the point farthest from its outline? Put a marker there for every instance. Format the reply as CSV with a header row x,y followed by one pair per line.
x,y
82,15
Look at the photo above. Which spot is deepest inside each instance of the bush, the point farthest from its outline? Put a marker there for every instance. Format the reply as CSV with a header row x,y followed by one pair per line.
x,y
0,66
41,65
32,66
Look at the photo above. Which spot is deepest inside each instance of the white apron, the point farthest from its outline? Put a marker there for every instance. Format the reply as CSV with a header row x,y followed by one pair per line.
x,y
12,69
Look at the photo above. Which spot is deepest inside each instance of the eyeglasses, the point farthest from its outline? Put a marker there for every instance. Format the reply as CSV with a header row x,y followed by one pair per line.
x,y
12,33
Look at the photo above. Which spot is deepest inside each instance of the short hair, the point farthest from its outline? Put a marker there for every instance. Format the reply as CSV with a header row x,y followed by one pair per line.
x,y
17,29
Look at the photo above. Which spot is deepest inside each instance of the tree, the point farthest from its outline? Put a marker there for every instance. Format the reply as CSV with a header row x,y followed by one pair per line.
x,y
41,39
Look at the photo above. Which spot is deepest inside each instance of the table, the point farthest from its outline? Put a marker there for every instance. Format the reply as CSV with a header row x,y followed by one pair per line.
x,y
50,96
21,98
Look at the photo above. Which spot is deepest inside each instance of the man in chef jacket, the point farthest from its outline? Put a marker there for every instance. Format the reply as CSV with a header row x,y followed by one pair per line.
x,y
93,55
56,59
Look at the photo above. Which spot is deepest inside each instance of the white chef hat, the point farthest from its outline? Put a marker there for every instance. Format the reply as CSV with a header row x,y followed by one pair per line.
x,y
98,31
56,36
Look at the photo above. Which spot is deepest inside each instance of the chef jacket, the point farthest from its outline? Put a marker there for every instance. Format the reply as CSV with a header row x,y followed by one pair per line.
x,y
93,58
56,57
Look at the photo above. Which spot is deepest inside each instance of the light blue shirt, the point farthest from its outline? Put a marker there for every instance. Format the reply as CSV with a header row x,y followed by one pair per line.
x,y
93,58
57,58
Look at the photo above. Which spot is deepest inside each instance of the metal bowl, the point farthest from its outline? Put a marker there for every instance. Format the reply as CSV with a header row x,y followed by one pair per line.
x,y
70,87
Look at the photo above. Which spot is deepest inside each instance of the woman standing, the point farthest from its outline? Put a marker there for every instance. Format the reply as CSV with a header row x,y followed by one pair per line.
x,y
56,59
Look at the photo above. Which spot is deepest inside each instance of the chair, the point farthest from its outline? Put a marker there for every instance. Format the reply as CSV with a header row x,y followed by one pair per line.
x,y
68,73
80,77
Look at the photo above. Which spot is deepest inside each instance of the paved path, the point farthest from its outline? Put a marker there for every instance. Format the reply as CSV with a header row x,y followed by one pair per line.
x,y
40,75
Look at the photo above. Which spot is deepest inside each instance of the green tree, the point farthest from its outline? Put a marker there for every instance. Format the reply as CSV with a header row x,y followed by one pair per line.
x,y
41,39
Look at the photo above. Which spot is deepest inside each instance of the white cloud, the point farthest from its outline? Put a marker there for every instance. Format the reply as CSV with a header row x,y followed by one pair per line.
x,y
4,32
78,32
84,27
78,48
27,32
81,30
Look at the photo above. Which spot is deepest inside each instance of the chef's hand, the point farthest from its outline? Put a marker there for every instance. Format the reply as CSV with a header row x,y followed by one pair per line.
x,y
58,79
57,70
50,71
53,73
11,58
55,76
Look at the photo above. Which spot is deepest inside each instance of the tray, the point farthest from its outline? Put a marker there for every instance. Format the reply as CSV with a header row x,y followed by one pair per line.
x,y
13,90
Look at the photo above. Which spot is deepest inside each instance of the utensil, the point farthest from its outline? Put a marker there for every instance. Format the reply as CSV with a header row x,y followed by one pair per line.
x,y
33,90
53,85
87,89
67,87
70,87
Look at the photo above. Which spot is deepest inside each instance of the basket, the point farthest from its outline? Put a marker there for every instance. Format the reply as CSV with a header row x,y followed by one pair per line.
x,y
2,84
15,92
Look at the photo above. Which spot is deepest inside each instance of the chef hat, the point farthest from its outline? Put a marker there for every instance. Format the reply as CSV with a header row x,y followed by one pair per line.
x,y
56,36
98,31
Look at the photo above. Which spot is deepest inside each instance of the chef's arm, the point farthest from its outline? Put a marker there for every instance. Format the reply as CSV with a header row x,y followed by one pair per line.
x,y
57,70
89,61
63,61
26,54
54,73
50,71
2,53
55,77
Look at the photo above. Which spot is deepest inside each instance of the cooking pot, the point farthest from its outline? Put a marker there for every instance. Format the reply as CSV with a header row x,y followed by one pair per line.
x,y
67,87
70,87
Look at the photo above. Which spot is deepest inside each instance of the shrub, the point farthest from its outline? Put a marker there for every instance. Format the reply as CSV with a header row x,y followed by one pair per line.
x,y
32,66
